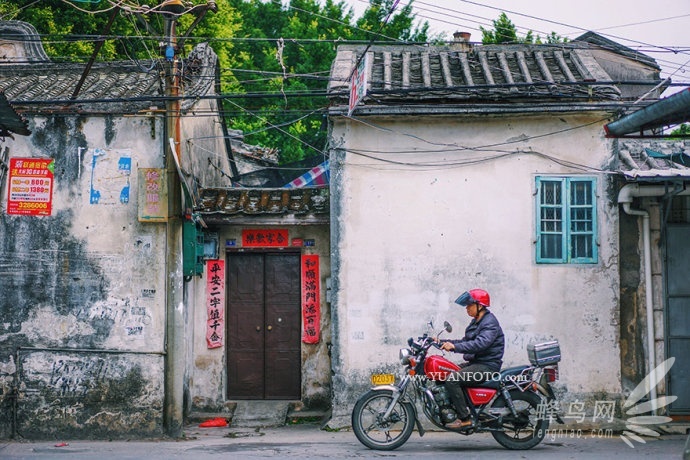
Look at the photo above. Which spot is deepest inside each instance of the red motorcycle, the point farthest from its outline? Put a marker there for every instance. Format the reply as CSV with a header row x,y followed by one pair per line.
x,y
512,405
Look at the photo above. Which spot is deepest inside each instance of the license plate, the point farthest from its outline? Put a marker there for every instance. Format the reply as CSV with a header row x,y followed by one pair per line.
x,y
382,379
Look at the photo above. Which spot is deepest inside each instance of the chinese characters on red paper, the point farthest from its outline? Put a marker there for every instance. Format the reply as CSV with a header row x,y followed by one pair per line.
x,y
215,302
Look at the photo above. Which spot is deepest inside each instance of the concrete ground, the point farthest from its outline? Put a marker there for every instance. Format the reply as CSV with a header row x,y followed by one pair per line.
x,y
308,441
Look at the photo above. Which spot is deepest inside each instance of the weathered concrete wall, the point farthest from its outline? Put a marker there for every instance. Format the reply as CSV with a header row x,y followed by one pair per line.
x,y
632,303
88,394
82,292
203,152
408,239
621,68
208,373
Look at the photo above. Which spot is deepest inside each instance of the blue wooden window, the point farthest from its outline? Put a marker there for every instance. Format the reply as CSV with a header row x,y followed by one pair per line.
x,y
566,220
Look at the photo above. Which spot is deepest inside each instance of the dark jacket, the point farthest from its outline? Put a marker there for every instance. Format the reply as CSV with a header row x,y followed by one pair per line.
x,y
483,343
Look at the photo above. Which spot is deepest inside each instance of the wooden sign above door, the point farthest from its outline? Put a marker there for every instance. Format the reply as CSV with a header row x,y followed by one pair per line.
x,y
258,238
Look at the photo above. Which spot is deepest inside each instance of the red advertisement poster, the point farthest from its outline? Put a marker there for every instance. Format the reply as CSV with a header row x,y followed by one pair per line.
x,y
215,302
30,190
311,309
273,237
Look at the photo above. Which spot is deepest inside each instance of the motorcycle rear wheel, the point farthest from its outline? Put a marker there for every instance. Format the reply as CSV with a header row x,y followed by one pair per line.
x,y
375,432
527,430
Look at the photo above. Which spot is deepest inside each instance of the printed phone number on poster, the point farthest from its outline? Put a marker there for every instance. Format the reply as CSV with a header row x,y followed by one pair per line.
x,y
25,205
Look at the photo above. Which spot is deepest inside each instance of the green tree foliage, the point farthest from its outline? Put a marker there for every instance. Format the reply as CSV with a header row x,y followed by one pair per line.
x,y
400,26
71,32
681,131
290,48
64,28
504,31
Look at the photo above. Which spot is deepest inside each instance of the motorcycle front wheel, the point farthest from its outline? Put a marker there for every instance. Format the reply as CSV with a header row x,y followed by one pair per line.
x,y
525,431
373,430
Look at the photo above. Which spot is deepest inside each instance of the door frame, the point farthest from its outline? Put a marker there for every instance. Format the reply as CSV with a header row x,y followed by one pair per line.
x,y
268,250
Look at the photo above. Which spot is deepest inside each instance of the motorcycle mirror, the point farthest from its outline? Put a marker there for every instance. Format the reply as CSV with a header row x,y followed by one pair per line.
x,y
448,327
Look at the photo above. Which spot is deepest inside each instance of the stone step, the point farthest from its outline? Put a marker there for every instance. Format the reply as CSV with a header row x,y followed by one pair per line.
x,y
260,413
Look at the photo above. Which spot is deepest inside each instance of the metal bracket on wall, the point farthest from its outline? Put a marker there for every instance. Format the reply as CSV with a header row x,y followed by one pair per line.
x,y
4,154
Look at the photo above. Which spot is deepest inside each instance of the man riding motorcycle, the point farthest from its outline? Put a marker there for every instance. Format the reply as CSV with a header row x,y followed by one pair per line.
x,y
482,347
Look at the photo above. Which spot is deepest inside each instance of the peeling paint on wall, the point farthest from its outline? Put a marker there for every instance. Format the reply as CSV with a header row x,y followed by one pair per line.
x,y
91,278
110,172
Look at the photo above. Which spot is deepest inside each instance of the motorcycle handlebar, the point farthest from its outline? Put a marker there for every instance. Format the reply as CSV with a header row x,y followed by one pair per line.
x,y
426,342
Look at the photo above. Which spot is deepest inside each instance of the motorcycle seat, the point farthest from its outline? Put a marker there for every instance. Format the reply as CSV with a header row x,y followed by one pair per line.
x,y
506,375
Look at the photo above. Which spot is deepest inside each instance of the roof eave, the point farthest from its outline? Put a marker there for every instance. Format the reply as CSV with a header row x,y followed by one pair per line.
x,y
529,107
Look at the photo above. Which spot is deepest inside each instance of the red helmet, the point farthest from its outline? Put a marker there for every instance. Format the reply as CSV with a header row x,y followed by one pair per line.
x,y
473,296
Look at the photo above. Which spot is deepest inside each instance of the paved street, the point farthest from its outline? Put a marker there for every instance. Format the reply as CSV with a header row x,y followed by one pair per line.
x,y
308,442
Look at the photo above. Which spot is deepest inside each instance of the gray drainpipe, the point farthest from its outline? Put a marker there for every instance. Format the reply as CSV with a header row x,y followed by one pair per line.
x,y
625,198
671,106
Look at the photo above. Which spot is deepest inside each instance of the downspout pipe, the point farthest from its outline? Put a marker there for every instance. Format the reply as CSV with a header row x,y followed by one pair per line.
x,y
625,198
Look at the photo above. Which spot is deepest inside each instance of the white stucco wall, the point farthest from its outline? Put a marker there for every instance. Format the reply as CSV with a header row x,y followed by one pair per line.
x,y
409,239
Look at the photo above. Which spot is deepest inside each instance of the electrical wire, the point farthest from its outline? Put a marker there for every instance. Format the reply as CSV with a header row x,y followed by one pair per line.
x,y
264,120
289,75
113,6
378,33
447,13
244,110
396,165
457,148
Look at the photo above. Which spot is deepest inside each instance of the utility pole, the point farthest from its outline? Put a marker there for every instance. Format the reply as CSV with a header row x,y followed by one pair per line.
x,y
173,411
176,293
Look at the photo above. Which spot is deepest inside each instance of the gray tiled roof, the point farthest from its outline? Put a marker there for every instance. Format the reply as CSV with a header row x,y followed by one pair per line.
x,y
56,82
636,163
110,87
297,202
476,73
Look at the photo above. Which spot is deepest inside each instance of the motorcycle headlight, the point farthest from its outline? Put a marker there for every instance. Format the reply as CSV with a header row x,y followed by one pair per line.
x,y
404,356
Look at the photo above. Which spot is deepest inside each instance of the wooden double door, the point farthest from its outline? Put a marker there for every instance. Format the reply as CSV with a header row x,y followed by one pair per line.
x,y
263,326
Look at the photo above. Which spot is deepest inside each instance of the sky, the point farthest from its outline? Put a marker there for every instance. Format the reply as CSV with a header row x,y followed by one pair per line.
x,y
658,28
